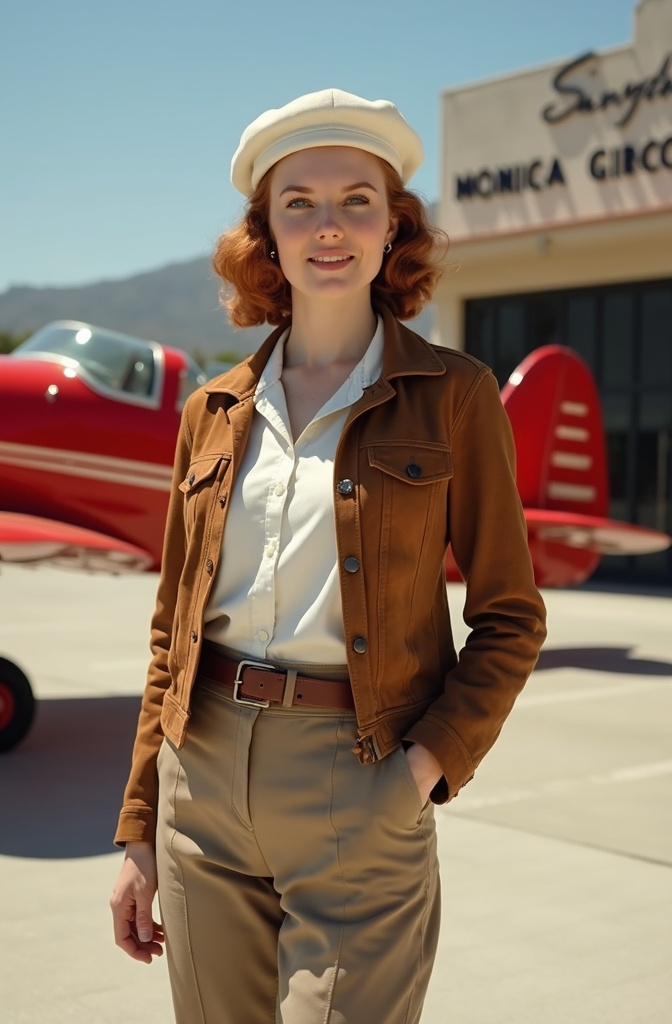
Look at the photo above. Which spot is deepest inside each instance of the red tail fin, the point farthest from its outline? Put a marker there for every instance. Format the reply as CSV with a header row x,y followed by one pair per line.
x,y
554,408
555,413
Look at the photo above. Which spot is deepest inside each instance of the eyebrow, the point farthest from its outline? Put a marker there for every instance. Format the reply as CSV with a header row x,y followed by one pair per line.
x,y
348,188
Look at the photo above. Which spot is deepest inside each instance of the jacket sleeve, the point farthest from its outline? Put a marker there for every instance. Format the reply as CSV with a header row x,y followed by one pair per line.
x,y
137,819
503,608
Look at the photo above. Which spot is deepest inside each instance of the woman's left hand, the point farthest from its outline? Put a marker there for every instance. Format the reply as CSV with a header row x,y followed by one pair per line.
x,y
425,769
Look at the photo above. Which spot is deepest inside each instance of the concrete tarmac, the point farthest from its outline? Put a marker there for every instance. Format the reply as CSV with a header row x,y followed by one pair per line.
x,y
556,860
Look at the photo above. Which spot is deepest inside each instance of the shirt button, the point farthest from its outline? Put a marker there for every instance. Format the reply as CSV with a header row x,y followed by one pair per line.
x,y
351,564
413,471
280,489
345,486
262,635
359,645
209,566
269,550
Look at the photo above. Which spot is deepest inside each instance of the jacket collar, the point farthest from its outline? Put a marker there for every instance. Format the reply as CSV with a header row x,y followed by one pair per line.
x,y
404,353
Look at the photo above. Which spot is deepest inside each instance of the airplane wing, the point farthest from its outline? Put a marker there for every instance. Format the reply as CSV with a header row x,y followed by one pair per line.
x,y
31,540
567,547
594,533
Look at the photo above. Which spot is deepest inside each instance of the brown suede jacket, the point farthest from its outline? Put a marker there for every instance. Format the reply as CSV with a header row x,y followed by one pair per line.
x,y
426,458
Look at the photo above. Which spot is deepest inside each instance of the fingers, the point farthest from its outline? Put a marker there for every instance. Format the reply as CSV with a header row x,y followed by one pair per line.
x,y
144,923
135,930
127,935
143,952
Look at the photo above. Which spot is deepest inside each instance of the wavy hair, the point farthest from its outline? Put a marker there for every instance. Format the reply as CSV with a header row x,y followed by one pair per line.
x,y
255,290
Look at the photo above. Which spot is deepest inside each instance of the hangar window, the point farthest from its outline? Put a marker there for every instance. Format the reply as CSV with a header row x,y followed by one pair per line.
x,y
624,333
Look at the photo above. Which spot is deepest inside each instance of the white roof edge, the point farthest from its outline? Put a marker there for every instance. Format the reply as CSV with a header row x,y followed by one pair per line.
x,y
534,70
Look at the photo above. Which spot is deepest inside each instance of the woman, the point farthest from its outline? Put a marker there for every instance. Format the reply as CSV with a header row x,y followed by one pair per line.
x,y
305,699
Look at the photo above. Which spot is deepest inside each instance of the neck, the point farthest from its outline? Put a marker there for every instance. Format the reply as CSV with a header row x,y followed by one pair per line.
x,y
331,332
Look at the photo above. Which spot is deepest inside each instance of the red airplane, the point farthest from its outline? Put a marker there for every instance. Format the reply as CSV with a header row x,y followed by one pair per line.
x,y
87,436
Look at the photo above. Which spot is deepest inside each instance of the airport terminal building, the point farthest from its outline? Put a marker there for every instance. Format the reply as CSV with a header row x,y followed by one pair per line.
x,y
557,196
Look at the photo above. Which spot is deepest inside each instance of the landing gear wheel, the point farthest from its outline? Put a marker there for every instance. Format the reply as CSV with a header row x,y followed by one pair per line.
x,y
17,705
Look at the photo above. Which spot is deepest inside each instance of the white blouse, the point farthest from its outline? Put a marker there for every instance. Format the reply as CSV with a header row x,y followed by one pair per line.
x,y
277,593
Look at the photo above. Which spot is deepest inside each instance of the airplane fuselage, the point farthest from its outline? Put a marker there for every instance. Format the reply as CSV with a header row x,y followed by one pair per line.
x,y
74,451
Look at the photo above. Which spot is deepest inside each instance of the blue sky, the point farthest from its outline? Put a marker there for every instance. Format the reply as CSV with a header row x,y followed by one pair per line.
x,y
119,118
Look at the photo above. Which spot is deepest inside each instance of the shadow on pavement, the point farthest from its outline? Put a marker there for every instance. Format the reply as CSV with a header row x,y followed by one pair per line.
x,y
61,789
602,659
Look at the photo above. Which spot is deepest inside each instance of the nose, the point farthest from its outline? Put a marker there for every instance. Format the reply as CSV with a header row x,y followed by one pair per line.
x,y
329,226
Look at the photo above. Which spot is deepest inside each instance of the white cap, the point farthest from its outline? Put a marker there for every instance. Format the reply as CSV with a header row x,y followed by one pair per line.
x,y
327,118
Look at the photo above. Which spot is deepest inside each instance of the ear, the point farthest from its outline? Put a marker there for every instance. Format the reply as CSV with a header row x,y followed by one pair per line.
x,y
391,232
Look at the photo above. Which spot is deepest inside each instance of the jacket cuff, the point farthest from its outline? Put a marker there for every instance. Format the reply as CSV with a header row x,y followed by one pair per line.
x,y
451,754
136,825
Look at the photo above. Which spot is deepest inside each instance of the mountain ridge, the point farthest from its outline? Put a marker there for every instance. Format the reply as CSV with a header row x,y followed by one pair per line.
x,y
176,304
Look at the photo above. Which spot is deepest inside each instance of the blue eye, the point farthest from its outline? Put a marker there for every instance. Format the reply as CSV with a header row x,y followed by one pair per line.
x,y
297,204
357,200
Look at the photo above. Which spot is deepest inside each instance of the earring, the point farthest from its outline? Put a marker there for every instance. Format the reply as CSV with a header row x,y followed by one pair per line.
x,y
273,254
387,248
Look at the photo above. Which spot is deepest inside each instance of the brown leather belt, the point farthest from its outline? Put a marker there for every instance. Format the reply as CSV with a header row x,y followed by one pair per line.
x,y
259,684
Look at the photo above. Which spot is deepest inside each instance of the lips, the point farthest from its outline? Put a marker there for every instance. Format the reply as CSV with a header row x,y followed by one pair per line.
x,y
331,258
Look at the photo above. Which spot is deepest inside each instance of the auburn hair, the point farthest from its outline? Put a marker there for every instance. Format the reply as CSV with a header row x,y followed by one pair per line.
x,y
255,290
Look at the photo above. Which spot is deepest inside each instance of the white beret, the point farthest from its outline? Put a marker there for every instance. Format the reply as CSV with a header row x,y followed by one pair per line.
x,y
327,118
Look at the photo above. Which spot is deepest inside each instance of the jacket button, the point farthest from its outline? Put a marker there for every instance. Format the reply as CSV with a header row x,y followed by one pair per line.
x,y
359,645
209,567
191,479
345,486
194,636
413,471
351,564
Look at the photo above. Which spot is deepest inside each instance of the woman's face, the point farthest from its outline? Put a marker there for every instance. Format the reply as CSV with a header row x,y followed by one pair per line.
x,y
329,218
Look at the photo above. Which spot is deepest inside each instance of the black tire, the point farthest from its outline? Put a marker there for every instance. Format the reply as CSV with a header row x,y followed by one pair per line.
x,y
17,705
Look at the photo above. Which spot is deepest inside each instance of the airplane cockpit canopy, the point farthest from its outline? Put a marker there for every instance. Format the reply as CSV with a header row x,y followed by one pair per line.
x,y
117,365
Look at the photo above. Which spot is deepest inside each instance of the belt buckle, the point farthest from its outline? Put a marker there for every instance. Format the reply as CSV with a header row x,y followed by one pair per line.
x,y
249,702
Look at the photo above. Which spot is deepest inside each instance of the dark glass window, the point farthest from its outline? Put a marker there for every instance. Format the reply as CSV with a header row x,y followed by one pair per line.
x,y
510,338
481,330
617,424
648,457
543,322
618,339
656,336
582,327
653,486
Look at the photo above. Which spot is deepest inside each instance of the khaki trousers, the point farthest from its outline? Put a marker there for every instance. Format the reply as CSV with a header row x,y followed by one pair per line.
x,y
296,885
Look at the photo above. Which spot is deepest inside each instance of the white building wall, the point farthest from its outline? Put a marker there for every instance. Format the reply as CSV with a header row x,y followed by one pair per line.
x,y
560,176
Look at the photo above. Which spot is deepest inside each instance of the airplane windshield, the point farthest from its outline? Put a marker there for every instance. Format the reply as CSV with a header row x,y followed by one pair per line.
x,y
191,378
117,361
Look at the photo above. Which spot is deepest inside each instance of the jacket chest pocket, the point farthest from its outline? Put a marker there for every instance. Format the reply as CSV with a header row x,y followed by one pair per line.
x,y
201,487
411,463
410,481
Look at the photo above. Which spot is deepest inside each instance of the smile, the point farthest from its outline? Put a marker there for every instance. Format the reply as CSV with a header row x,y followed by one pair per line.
x,y
329,259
